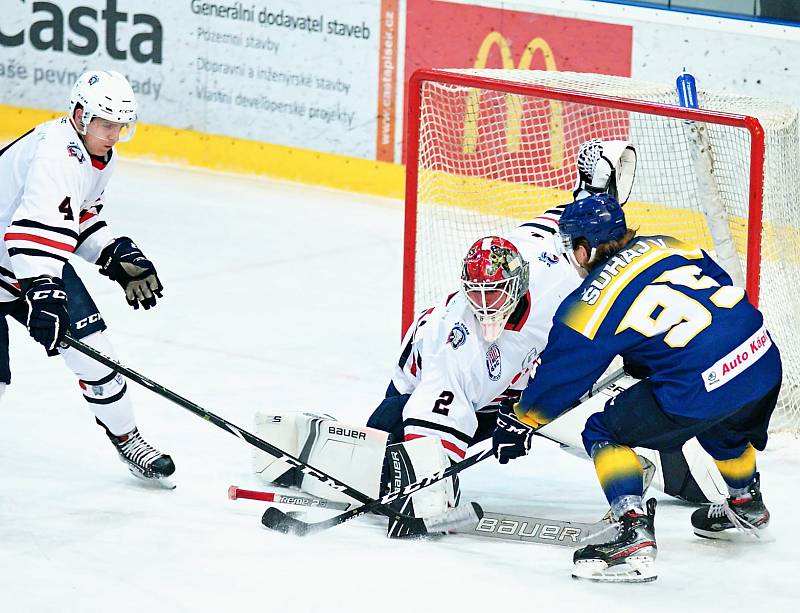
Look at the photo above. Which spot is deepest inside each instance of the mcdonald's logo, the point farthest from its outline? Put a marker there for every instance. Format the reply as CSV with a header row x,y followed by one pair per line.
x,y
513,101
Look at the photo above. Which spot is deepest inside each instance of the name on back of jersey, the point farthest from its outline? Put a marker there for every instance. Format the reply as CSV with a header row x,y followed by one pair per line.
x,y
616,265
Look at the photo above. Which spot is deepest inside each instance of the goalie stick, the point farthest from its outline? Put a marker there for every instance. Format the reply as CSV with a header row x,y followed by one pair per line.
x,y
370,504
473,522
524,529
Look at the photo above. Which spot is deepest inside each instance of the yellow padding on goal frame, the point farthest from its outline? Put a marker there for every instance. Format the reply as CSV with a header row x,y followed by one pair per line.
x,y
524,201
223,153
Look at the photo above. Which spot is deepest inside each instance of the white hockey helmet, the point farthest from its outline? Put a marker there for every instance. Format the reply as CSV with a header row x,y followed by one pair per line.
x,y
105,94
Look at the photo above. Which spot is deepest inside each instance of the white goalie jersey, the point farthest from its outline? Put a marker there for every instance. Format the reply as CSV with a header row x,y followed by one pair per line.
x,y
449,369
51,191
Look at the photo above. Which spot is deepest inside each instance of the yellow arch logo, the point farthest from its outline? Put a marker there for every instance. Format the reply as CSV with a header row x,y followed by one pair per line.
x,y
513,102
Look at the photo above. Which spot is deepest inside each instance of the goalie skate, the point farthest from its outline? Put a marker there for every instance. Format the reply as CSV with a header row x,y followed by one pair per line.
x,y
629,558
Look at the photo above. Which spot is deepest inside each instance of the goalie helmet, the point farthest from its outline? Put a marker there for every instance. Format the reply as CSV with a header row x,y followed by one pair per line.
x,y
598,219
493,278
605,166
105,94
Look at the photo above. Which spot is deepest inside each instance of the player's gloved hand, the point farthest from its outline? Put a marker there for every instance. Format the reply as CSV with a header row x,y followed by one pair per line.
x,y
511,438
123,262
48,320
635,369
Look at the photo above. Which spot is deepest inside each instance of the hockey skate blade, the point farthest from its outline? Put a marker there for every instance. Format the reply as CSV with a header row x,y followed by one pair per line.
x,y
275,519
160,483
633,570
736,536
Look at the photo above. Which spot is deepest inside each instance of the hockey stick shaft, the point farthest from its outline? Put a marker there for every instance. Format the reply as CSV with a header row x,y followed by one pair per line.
x,y
275,519
603,383
235,493
306,469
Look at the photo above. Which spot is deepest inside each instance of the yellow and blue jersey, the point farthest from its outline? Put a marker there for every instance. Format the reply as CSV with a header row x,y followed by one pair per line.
x,y
667,306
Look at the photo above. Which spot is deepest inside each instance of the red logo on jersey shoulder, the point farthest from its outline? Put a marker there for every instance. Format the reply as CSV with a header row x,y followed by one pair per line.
x,y
74,150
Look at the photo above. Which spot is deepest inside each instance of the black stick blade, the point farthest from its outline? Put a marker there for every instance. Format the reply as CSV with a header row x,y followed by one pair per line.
x,y
277,520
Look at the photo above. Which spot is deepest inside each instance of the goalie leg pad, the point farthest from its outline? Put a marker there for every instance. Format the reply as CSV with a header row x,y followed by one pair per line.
x,y
686,472
635,419
409,462
352,454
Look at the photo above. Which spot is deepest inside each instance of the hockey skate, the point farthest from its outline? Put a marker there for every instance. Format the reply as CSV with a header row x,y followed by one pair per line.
x,y
733,517
144,461
629,558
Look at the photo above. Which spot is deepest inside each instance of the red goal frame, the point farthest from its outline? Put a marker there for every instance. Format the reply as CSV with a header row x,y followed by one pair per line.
x,y
413,105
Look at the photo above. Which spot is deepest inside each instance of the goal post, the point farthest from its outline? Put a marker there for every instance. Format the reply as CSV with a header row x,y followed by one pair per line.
x,y
489,149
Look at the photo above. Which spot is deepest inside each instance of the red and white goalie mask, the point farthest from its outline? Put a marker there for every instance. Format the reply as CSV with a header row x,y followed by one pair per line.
x,y
494,278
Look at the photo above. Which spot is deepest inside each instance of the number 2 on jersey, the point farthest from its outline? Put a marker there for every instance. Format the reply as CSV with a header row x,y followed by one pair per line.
x,y
441,404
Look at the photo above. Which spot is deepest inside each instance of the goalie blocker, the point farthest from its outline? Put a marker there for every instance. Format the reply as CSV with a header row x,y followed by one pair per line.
x,y
359,456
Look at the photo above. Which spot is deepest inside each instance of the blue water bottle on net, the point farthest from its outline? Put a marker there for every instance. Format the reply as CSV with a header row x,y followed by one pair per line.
x,y
687,90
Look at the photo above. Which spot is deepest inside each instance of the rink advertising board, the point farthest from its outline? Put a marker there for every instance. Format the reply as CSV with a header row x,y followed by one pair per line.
x,y
310,90
499,38
311,75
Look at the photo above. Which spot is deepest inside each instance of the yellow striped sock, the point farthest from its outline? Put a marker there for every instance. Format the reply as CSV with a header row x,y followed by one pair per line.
x,y
618,470
739,472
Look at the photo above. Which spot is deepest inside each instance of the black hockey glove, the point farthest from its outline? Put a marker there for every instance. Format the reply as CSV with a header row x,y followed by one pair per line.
x,y
48,320
511,438
635,369
123,262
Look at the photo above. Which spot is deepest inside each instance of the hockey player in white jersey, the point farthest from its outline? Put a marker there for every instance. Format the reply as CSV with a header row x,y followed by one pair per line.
x,y
52,184
479,345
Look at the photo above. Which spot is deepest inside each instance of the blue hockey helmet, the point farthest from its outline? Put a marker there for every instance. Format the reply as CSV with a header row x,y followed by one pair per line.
x,y
598,218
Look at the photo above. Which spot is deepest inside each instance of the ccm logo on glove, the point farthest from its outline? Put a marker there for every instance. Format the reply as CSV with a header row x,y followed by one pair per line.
x,y
48,320
511,438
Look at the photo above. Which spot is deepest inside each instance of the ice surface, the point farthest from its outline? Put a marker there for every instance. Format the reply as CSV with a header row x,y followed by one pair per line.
x,y
285,297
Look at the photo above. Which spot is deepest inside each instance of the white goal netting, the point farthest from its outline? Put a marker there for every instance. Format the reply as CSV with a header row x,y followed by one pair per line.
x,y
497,147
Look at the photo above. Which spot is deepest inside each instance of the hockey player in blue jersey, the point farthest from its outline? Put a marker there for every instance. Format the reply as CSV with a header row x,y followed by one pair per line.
x,y
712,372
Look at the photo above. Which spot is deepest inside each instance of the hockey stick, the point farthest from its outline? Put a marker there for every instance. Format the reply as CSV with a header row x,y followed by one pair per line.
x,y
485,524
235,493
370,504
275,519
538,530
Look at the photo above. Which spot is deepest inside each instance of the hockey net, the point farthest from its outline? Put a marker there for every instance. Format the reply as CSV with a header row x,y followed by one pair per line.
x,y
489,149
